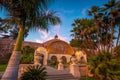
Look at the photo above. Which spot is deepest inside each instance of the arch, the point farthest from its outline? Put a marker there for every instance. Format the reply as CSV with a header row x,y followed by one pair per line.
x,y
40,56
54,58
64,59
41,60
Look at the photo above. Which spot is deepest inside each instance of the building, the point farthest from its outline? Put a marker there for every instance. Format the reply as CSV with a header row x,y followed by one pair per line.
x,y
54,49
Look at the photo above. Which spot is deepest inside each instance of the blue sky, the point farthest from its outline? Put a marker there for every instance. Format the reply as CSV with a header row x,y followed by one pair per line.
x,y
68,11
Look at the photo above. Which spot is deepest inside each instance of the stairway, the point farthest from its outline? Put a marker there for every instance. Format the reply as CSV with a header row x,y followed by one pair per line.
x,y
61,77
54,74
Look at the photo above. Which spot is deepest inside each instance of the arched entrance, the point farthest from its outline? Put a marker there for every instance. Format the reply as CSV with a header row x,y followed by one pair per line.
x,y
53,62
41,59
54,58
64,60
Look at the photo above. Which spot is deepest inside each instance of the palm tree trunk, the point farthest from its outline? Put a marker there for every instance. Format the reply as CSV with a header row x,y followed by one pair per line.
x,y
118,37
11,72
111,43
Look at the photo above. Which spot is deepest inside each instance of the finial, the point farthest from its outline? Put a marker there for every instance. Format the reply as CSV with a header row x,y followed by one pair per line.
x,y
56,36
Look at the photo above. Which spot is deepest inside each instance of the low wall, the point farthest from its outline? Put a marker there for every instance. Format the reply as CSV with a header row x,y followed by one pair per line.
x,y
1,73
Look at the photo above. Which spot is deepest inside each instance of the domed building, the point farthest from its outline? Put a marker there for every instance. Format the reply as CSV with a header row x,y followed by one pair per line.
x,y
54,53
54,50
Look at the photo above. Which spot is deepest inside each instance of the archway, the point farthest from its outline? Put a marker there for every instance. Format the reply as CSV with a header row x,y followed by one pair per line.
x,y
64,60
54,58
41,59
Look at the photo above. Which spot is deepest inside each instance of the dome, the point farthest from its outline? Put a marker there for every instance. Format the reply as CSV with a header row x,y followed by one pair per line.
x,y
57,46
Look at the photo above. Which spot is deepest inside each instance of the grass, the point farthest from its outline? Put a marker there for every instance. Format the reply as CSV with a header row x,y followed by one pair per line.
x,y
3,67
87,79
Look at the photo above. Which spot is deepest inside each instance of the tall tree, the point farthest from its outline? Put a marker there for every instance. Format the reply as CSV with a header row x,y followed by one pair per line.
x,y
107,19
13,33
101,31
30,13
84,33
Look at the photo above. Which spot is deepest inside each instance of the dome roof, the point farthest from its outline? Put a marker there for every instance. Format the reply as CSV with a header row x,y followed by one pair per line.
x,y
56,46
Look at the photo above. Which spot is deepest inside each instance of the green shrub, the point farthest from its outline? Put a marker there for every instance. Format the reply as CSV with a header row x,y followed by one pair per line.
x,y
34,73
52,63
26,58
27,55
3,67
27,50
104,66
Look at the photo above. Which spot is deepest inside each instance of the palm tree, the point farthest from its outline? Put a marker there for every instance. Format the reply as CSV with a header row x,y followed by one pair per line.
x,y
112,7
107,18
26,13
34,73
95,11
84,30
3,26
13,33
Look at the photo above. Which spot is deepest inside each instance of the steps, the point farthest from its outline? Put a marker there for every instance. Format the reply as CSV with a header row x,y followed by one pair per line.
x,y
61,77
54,74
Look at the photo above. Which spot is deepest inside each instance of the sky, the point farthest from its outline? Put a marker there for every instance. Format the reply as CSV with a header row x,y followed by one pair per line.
x,y
68,11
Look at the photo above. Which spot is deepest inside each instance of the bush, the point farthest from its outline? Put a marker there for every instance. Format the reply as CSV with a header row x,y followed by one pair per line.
x,y
27,50
3,67
52,63
27,55
34,73
104,66
26,58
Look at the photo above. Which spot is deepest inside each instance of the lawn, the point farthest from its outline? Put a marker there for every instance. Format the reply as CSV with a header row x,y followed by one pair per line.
x,y
87,79
3,67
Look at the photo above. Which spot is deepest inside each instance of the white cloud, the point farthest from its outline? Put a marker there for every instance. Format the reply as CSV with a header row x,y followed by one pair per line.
x,y
62,38
49,38
45,36
56,29
38,41
57,26
44,33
